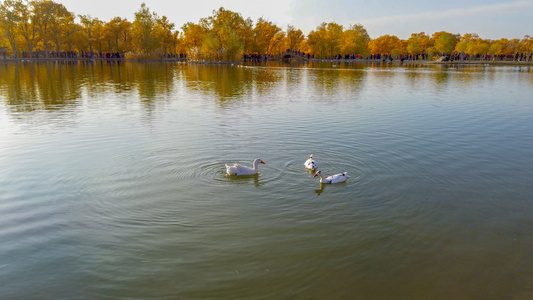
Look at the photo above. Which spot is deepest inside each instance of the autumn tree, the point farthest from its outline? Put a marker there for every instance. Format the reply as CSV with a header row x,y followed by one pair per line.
x,y
445,42
9,21
61,25
512,46
526,44
385,44
87,23
316,40
266,36
72,38
117,34
418,43
44,20
355,40
232,31
166,37
143,31
472,44
334,38
277,43
326,40
211,47
98,35
496,48
294,37
193,36
233,50
27,26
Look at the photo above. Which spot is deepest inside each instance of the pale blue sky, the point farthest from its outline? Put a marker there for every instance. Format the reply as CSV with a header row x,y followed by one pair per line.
x,y
491,19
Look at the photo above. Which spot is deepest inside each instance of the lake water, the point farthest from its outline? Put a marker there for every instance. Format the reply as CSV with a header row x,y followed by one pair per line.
x,y
113,185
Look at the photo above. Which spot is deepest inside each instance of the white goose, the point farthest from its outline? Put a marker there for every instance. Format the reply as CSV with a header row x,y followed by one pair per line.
x,y
239,170
310,163
337,178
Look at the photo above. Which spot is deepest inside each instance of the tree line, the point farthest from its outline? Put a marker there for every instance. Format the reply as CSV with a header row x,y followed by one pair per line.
x,y
45,27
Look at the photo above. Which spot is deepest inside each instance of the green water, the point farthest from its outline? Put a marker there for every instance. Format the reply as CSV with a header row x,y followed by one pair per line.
x,y
112,181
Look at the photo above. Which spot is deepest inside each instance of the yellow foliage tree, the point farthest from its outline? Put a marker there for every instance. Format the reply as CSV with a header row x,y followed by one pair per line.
x,y
117,35
355,40
326,40
142,31
418,43
9,22
385,44
265,36
193,36
526,44
294,37
445,42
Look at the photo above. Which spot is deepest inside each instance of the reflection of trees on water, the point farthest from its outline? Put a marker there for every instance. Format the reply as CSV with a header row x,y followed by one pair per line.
x,y
225,83
61,86
443,75
42,86
337,81
230,85
51,86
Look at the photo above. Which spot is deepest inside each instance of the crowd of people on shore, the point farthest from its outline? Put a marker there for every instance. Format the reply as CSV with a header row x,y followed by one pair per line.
x,y
525,57
456,56
289,53
39,54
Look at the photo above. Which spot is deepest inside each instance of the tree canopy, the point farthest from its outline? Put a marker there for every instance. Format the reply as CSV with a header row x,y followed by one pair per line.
x,y
48,26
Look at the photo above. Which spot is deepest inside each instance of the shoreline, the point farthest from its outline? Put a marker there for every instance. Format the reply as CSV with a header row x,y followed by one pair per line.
x,y
181,60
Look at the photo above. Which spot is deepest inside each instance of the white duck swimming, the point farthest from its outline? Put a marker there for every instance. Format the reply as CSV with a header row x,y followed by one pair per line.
x,y
333,178
239,170
310,163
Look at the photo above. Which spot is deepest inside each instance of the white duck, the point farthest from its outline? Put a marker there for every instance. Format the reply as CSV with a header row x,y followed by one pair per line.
x,y
337,178
239,170
310,163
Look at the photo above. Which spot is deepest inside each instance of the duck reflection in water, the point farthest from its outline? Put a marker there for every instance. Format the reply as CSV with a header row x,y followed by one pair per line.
x,y
320,190
246,179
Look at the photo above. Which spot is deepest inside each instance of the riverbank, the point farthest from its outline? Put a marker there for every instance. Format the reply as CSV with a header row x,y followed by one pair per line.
x,y
184,60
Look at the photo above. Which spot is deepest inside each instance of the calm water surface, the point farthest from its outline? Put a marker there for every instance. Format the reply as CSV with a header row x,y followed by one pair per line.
x,y
112,182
